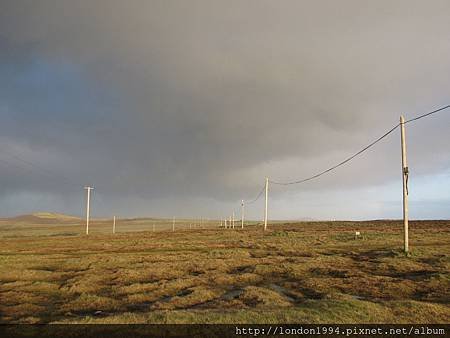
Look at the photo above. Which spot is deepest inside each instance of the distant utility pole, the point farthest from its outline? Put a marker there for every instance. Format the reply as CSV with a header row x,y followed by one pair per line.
x,y
265,209
405,173
173,223
114,224
233,219
230,223
225,226
88,206
242,214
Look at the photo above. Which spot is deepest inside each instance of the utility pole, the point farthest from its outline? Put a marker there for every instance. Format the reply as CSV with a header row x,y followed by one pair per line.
x,y
88,206
225,226
405,173
233,219
230,223
265,209
173,223
242,214
114,224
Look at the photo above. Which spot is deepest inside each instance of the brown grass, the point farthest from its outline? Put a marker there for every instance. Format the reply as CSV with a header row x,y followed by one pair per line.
x,y
305,272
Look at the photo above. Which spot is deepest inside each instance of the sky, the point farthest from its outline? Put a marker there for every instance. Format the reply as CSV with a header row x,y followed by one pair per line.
x,y
182,108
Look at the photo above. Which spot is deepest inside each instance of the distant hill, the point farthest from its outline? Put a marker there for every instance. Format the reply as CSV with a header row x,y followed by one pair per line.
x,y
43,218
54,215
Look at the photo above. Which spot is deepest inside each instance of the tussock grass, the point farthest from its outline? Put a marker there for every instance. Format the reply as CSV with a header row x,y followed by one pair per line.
x,y
307,272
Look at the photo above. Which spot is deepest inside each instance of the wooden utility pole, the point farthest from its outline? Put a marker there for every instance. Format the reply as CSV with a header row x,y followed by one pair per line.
x,y
173,223
88,207
405,173
242,214
114,224
266,204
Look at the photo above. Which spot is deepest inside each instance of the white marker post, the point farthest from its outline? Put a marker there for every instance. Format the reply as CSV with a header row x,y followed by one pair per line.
x,y
405,173
114,224
242,214
225,226
266,205
88,208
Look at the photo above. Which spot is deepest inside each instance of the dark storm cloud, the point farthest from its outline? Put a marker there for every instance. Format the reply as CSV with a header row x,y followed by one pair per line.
x,y
172,100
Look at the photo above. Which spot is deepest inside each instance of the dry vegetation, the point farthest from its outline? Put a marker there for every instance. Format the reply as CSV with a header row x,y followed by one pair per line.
x,y
304,272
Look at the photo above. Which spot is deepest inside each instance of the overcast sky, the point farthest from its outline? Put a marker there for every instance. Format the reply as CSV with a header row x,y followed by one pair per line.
x,y
184,107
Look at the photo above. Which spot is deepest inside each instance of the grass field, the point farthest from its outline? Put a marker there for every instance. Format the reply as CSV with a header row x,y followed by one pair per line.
x,y
314,272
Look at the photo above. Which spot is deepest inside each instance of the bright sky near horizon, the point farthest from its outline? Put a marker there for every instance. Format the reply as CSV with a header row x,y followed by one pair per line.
x,y
184,107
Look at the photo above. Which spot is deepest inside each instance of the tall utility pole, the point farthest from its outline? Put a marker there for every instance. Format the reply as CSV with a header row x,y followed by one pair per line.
x,y
233,219
230,224
173,223
225,225
88,206
242,214
265,209
405,173
114,224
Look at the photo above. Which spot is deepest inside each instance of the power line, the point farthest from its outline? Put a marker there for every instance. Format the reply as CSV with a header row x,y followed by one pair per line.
x,y
39,169
427,114
340,163
349,158
361,151
257,197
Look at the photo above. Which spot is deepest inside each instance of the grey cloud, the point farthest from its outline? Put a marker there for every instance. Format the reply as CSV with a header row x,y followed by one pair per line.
x,y
160,100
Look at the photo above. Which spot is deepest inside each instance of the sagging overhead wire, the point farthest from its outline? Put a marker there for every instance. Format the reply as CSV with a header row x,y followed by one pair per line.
x,y
340,163
359,152
38,169
427,114
257,197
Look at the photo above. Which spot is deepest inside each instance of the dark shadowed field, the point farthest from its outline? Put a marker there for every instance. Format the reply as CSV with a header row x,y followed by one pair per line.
x,y
299,272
